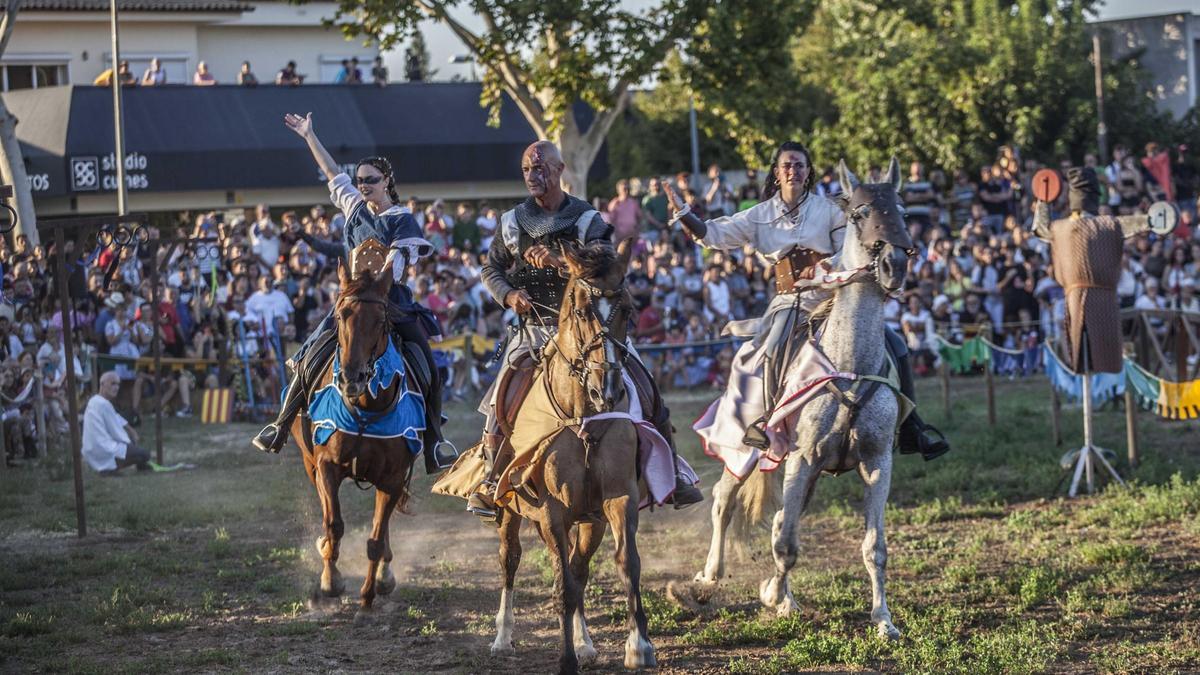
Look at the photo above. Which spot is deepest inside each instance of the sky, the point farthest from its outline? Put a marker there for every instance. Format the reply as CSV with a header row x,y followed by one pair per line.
x,y
443,44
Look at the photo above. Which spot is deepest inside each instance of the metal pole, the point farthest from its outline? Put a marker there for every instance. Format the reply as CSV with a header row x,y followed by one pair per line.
x,y
1101,127
695,138
64,305
155,318
118,117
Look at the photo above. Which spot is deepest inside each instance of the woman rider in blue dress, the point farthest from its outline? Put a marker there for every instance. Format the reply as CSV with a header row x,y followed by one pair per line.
x,y
373,211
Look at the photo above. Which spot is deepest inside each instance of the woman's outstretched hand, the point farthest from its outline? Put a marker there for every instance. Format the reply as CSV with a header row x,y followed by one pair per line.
x,y
301,125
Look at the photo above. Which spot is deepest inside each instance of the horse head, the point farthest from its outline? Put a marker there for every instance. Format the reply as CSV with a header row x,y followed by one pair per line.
x,y
363,327
594,320
876,235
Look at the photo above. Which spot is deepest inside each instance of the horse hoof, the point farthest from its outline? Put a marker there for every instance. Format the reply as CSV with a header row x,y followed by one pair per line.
x,y
585,654
502,648
364,616
639,653
887,631
332,588
385,584
703,578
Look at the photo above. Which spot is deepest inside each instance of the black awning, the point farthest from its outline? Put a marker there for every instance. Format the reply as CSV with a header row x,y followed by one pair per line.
x,y
181,138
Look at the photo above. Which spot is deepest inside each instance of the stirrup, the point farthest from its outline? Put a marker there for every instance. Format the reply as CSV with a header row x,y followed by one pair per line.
x,y
268,440
685,494
444,454
756,435
932,448
480,502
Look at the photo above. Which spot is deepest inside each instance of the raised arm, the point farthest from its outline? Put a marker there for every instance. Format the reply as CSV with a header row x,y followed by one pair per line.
x,y
304,129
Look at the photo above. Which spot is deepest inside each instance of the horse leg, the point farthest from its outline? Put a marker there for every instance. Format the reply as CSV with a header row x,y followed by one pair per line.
x,y
798,485
385,503
510,558
622,514
724,496
876,472
566,591
587,540
328,481
385,581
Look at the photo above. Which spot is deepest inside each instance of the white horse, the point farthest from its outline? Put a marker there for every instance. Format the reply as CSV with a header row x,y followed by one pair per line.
x,y
852,429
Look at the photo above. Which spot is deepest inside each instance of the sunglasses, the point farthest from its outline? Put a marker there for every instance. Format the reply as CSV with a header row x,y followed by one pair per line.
x,y
368,180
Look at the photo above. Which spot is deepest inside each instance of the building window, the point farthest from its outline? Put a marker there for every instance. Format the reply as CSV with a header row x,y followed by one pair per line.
x,y
32,75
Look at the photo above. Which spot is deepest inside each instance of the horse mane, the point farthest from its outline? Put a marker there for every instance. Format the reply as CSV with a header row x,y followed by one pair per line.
x,y
593,261
360,284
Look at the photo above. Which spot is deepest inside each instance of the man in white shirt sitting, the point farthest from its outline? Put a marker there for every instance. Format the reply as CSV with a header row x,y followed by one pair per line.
x,y
109,443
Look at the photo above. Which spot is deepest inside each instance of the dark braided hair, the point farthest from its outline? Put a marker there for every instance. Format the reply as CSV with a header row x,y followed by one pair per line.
x,y
771,183
385,168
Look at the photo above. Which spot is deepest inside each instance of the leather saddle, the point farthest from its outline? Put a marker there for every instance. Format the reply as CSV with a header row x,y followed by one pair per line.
x,y
518,380
319,356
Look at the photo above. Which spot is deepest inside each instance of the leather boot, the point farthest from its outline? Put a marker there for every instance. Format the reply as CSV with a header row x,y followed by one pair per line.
x,y
685,493
915,435
480,502
275,435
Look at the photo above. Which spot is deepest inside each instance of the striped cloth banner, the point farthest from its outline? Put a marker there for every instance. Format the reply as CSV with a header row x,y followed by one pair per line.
x,y
216,406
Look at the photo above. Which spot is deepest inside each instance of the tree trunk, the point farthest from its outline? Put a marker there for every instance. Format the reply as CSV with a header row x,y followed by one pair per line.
x,y
12,162
579,149
12,172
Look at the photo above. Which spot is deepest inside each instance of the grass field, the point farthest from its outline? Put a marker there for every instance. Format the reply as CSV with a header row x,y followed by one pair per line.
x,y
990,569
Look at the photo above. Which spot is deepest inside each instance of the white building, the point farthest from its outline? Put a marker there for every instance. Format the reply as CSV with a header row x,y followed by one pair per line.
x,y
68,41
1164,36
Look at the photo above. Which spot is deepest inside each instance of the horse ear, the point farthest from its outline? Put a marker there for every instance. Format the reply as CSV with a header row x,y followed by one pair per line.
x,y
893,174
624,253
848,180
343,277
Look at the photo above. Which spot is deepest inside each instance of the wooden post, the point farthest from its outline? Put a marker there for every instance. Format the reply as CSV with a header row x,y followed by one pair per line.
x,y
39,412
1055,415
991,387
1131,426
944,374
155,319
64,305
1182,348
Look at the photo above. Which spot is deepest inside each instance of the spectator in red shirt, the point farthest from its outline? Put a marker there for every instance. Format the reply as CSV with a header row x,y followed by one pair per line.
x,y
624,213
652,322
1158,163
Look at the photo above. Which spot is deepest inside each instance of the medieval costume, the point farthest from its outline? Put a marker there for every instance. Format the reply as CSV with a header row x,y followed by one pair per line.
x,y
1086,251
575,223
413,323
793,240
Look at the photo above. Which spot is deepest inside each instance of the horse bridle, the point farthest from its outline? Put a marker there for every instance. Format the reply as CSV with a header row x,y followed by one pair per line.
x,y
375,358
855,217
580,366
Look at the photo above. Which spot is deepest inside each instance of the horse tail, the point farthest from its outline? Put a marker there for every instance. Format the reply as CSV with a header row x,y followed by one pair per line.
x,y
759,497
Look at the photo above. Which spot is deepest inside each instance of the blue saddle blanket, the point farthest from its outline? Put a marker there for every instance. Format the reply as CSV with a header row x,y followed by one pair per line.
x,y
405,419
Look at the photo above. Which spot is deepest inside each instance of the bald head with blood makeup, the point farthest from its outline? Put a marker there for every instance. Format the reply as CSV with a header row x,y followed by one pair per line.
x,y
541,168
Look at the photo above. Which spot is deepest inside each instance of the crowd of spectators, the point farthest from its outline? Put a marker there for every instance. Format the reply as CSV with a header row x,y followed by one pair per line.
x,y
259,280
154,75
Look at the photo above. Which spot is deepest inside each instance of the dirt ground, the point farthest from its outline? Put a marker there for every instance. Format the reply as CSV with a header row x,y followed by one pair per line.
x,y
213,570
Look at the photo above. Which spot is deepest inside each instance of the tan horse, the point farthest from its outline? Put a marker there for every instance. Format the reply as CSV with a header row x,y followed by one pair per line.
x,y
586,472
363,334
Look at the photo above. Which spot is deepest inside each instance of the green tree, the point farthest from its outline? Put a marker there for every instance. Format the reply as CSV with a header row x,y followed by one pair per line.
x,y
745,76
416,59
947,81
546,56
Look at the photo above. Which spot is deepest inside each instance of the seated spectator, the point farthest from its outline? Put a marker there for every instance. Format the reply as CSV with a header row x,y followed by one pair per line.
x,y
154,75
245,76
379,73
109,443
126,78
203,78
288,77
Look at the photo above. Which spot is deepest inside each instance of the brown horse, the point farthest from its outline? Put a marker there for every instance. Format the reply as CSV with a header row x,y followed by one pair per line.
x,y
363,334
586,471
